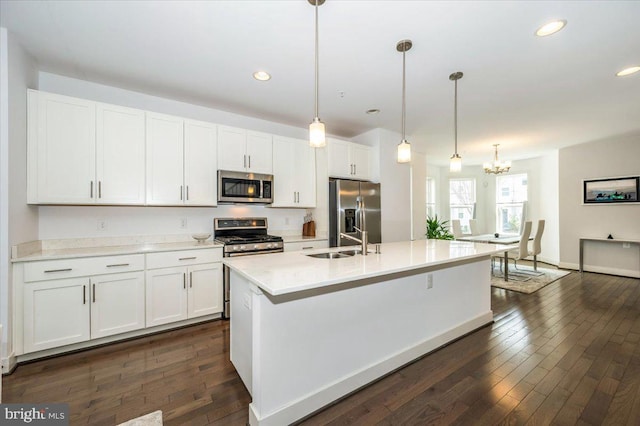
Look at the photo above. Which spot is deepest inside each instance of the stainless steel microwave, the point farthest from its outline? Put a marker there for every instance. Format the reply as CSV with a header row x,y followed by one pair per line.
x,y
237,187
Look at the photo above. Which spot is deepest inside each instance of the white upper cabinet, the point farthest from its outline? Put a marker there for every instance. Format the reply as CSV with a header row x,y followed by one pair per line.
x,y
294,173
181,158
348,160
165,140
200,150
84,152
120,155
61,149
243,150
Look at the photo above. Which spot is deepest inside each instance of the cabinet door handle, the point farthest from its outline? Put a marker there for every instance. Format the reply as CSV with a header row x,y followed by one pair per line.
x,y
249,161
307,248
58,270
190,279
99,189
188,258
91,190
244,162
184,280
84,294
294,196
94,293
187,192
180,192
117,264
355,169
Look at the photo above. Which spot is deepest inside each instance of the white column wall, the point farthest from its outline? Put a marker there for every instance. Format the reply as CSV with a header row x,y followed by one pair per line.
x,y
18,222
613,157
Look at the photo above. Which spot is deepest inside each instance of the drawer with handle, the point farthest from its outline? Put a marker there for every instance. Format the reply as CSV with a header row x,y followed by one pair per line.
x,y
81,267
170,259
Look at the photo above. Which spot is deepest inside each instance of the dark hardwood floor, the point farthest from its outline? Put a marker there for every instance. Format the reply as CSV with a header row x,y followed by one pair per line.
x,y
568,354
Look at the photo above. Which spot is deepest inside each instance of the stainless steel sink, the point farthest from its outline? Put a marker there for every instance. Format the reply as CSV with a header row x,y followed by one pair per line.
x,y
333,255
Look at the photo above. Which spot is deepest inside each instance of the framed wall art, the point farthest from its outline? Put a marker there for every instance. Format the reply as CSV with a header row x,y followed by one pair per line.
x,y
611,190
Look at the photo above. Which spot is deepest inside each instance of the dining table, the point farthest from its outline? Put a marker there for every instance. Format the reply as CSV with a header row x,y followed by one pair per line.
x,y
508,239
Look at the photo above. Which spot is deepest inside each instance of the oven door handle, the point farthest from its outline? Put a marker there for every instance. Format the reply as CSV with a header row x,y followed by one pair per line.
x,y
250,253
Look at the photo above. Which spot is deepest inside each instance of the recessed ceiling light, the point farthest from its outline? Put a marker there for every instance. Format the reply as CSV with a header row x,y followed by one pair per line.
x,y
551,28
373,111
261,75
628,71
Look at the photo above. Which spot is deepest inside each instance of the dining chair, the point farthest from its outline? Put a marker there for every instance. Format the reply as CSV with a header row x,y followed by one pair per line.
x,y
536,246
473,225
456,229
522,251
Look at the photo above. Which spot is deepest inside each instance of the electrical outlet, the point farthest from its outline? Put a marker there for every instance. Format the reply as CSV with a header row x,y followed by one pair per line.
x,y
429,281
101,225
183,223
626,245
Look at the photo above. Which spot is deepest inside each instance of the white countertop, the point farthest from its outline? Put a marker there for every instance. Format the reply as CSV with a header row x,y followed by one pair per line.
x,y
290,272
73,252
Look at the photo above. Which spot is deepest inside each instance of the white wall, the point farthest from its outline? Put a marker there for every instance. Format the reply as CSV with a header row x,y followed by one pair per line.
x,y
614,157
418,195
19,222
69,222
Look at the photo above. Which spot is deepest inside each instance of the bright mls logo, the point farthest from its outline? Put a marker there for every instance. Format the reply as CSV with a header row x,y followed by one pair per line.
x,y
34,414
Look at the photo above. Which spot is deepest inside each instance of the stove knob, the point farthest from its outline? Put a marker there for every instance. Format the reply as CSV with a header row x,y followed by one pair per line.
x,y
243,247
269,245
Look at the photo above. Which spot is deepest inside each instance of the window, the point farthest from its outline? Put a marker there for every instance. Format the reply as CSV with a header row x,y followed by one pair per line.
x,y
462,201
431,197
511,198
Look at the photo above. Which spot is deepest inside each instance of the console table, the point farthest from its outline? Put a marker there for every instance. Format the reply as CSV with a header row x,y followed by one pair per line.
x,y
600,240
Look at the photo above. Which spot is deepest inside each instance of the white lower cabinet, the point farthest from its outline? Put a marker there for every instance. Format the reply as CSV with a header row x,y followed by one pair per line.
x,y
72,310
306,245
117,304
190,287
73,301
56,313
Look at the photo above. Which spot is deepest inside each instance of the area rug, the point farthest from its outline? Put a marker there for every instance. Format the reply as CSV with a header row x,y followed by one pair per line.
x,y
532,284
151,419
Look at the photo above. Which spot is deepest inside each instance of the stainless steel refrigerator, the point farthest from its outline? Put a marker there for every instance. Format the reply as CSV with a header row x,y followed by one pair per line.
x,y
347,198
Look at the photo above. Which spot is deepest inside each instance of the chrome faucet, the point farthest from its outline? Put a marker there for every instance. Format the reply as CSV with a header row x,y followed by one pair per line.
x,y
363,240
364,235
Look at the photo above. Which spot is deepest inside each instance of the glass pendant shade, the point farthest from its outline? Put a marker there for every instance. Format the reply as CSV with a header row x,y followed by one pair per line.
x,y
455,165
404,152
317,137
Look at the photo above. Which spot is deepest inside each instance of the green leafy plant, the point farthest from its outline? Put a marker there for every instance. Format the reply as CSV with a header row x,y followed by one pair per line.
x,y
437,229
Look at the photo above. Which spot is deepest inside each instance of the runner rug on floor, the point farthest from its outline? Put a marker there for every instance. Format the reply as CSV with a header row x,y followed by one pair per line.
x,y
533,282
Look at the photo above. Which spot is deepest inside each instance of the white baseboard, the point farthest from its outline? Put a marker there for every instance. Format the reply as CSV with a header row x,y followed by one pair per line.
x,y
9,363
318,400
601,270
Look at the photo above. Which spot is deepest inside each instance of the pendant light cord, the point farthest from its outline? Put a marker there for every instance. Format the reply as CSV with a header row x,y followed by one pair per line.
x,y
455,117
316,7
403,92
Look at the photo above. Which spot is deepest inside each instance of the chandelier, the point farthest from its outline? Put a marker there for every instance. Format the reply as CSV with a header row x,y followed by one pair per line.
x,y
496,167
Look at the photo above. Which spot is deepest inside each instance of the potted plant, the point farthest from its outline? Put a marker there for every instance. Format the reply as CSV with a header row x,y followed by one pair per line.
x,y
437,229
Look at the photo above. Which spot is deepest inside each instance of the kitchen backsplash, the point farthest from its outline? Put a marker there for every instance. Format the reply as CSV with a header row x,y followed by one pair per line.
x,y
59,222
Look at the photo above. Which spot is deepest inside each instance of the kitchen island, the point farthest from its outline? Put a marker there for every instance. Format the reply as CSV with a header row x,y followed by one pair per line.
x,y
307,331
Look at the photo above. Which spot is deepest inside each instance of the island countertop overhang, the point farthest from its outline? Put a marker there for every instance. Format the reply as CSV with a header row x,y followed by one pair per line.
x,y
290,272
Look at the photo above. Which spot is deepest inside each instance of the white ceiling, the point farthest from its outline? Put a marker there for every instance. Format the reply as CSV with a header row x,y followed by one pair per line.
x,y
529,94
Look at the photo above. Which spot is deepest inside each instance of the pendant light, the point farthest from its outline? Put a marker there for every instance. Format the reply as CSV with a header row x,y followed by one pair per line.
x,y
497,167
404,148
316,128
456,162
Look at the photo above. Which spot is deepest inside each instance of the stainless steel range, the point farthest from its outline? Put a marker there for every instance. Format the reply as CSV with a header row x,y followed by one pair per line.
x,y
243,237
